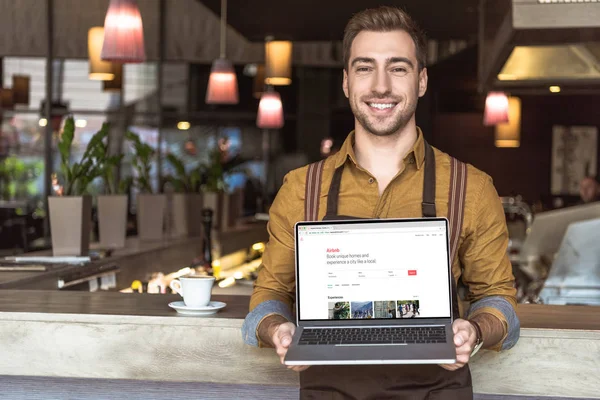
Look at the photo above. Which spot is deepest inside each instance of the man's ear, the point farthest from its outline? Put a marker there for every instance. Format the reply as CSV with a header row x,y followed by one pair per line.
x,y
423,82
345,83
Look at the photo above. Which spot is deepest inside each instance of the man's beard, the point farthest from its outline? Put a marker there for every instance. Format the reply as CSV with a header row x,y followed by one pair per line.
x,y
394,123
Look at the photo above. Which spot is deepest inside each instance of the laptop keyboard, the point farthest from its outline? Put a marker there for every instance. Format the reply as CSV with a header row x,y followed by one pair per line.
x,y
392,335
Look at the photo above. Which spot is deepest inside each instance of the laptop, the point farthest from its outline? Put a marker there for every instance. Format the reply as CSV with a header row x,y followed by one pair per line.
x,y
373,292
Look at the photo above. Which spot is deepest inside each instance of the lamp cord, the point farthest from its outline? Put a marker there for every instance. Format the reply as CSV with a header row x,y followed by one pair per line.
x,y
223,26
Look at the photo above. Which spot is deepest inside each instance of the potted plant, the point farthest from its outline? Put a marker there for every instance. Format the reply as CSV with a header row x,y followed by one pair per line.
x,y
187,200
214,188
151,207
112,206
227,205
71,207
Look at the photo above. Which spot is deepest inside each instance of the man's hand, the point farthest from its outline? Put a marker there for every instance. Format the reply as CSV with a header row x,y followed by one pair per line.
x,y
465,337
281,337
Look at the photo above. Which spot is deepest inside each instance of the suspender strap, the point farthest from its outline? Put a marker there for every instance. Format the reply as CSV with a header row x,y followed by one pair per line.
x,y
428,204
456,206
333,193
456,202
312,190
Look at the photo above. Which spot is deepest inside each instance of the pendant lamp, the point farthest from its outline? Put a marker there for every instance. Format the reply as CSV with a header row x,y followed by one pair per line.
x,y
222,84
509,134
99,70
496,109
278,64
270,110
123,33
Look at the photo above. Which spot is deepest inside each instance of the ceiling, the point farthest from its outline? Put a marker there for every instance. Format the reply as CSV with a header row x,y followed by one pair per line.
x,y
316,20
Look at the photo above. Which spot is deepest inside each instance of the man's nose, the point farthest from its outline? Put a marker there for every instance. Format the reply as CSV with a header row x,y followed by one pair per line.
x,y
381,82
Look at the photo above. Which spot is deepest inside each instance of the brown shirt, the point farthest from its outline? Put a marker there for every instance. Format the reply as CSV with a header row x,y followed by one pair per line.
x,y
482,262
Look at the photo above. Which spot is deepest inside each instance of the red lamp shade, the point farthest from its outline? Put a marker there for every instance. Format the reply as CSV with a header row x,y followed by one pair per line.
x,y
222,84
123,33
496,109
270,111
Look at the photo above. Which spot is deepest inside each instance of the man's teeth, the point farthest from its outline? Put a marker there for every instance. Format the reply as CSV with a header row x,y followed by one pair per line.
x,y
381,106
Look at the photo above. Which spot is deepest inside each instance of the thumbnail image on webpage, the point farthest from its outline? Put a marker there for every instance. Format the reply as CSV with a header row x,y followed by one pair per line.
x,y
373,309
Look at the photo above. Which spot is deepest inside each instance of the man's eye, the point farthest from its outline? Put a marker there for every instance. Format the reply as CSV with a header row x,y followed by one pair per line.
x,y
362,69
400,70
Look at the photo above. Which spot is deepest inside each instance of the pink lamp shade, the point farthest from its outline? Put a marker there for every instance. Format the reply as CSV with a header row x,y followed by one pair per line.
x,y
496,109
222,84
270,111
123,33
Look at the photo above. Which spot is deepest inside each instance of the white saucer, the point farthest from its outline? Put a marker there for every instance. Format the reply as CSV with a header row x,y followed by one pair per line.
x,y
210,309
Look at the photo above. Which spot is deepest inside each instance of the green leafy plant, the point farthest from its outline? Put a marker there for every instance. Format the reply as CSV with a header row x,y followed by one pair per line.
x,y
17,178
77,176
142,159
183,181
108,165
214,173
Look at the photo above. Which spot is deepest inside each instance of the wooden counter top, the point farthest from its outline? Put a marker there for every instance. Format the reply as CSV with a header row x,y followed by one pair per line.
x,y
107,303
113,337
559,317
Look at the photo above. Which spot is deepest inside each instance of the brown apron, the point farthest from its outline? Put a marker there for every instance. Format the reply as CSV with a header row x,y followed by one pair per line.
x,y
410,382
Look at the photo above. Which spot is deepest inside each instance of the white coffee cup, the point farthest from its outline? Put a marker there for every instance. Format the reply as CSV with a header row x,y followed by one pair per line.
x,y
195,290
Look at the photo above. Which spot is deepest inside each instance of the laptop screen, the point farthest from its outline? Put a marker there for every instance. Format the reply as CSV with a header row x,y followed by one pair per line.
x,y
376,269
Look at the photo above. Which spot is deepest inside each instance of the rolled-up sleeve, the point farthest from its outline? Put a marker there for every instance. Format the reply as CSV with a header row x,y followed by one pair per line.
x,y
274,289
487,271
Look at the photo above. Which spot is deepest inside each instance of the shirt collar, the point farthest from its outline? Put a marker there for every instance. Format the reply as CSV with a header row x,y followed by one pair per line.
x,y
415,155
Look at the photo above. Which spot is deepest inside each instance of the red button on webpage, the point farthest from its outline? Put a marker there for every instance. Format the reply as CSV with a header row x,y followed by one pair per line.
x,y
412,272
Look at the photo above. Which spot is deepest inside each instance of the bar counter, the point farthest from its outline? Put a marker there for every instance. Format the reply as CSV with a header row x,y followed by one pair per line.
x,y
105,345
137,259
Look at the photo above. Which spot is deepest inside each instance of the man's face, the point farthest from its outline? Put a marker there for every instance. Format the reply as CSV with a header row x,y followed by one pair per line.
x,y
383,82
588,190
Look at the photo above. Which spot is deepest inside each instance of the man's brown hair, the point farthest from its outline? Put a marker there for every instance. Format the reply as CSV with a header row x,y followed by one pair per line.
x,y
385,19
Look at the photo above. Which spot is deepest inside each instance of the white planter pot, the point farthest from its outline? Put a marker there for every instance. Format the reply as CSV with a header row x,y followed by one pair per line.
x,y
179,214
112,221
151,209
70,224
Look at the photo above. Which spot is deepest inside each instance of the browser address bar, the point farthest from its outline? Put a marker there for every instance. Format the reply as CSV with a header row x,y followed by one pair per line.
x,y
391,230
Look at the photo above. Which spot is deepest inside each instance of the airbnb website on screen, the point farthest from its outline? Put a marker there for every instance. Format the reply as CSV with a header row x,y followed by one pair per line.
x,y
362,271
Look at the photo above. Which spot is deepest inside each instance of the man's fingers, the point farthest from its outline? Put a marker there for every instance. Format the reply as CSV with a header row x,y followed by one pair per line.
x,y
464,349
461,337
462,359
281,351
282,339
450,367
453,367
284,334
298,368
285,339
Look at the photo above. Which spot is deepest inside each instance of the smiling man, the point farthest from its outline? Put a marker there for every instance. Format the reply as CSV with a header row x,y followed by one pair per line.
x,y
383,170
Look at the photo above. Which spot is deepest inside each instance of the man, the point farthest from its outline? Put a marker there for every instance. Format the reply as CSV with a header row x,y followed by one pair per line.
x,y
383,173
589,189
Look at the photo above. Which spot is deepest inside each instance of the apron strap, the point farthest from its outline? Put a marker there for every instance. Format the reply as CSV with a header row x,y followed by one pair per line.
x,y
312,190
333,193
456,202
428,204
456,206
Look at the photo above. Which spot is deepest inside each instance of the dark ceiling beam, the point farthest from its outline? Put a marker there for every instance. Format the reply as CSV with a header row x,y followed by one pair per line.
x,y
318,20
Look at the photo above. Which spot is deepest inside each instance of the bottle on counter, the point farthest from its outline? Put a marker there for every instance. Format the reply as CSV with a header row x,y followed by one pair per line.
x,y
207,257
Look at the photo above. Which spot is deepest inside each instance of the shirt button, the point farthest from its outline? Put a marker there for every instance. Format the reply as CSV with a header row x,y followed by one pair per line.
x,y
371,180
